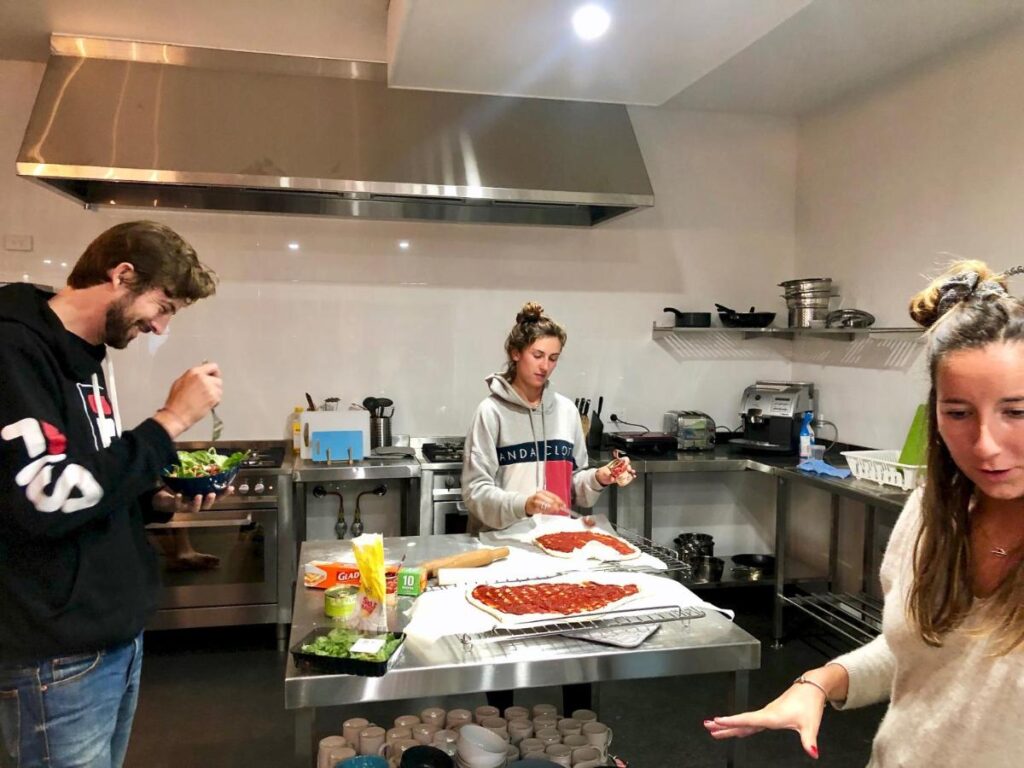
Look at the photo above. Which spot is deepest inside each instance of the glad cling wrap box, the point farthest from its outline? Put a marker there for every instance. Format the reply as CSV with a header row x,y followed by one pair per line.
x,y
324,574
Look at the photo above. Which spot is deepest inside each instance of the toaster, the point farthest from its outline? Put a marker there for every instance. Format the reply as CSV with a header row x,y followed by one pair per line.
x,y
694,430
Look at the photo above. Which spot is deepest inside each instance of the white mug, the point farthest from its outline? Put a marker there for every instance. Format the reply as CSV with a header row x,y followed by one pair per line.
x,y
517,713
560,754
586,755
433,716
351,728
598,734
544,709
326,745
574,740
569,725
424,732
584,715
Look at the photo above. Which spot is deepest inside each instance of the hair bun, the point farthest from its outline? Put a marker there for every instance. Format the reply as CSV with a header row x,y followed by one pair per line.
x,y
532,312
953,287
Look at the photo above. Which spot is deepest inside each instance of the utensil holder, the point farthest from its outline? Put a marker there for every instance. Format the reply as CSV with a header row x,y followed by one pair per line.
x,y
380,431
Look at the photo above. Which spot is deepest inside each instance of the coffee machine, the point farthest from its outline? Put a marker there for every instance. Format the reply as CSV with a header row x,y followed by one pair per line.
x,y
772,412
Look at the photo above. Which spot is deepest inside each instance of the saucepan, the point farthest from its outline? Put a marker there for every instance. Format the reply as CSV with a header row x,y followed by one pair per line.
x,y
690,319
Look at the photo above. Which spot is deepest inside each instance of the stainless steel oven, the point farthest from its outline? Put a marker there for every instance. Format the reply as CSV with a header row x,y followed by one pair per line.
x,y
220,566
441,484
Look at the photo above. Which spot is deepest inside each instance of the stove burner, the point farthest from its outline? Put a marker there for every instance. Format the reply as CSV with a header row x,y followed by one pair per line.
x,y
259,458
444,452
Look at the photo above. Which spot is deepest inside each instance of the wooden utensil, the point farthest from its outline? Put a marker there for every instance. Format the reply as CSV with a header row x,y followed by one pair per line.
x,y
474,559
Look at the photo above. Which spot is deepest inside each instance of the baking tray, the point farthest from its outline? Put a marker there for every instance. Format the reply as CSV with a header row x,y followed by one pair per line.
x,y
341,666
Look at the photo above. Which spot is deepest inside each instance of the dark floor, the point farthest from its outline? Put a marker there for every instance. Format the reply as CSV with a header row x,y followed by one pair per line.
x,y
216,698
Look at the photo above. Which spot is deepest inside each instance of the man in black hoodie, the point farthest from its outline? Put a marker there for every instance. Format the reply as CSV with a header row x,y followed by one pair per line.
x,y
78,579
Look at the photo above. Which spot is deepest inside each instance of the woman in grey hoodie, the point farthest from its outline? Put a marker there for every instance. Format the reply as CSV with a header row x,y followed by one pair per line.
x,y
525,453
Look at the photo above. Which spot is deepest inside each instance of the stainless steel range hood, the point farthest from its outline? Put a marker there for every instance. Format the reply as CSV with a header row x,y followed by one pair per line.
x,y
150,125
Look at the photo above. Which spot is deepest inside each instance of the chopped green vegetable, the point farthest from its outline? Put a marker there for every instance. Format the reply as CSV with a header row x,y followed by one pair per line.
x,y
204,463
337,642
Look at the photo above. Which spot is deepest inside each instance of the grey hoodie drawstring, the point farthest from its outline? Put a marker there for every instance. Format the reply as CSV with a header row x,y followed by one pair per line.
x,y
542,458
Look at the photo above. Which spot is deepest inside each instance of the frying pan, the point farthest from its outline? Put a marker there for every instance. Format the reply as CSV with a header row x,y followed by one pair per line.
x,y
733,319
763,563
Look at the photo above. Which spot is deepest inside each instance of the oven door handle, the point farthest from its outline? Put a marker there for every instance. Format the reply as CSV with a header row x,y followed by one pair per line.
x,y
234,522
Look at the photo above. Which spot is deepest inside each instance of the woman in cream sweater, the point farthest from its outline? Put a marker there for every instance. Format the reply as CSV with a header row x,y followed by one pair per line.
x,y
950,659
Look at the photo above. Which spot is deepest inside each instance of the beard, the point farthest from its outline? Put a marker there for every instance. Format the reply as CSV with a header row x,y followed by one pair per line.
x,y
120,327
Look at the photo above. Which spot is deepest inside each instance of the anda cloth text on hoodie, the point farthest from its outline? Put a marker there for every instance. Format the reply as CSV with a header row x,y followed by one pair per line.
x,y
512,451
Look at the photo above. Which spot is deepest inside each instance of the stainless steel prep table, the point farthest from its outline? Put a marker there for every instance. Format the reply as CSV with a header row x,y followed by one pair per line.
x,y
705,645
830,609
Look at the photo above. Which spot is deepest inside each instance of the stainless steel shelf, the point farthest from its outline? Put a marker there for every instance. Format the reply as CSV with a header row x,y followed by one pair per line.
x,y
855,617
796,571
843,334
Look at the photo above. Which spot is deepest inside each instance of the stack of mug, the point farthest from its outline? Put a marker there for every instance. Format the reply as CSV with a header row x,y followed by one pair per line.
x,y
482,738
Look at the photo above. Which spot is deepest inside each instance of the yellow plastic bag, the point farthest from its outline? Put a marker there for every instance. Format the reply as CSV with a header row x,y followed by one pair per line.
x,y
369,552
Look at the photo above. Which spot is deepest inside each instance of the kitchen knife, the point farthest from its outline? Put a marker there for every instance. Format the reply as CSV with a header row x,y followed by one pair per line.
x,y
600,405
309,400
474,559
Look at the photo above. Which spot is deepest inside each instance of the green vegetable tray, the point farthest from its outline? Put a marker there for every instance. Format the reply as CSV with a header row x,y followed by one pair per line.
x,y
344,665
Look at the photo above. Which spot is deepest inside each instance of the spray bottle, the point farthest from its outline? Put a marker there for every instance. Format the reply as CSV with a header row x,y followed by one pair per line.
x,y
806,435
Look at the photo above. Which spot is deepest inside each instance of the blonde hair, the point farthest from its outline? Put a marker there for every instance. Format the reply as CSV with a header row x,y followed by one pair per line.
x,y
967,307
531,324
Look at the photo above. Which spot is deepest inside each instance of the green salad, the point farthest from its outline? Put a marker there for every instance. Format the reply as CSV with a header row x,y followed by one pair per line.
x,y
204,463
337,642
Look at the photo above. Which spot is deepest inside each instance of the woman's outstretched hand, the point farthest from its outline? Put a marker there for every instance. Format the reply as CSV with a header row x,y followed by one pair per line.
x,y
798,709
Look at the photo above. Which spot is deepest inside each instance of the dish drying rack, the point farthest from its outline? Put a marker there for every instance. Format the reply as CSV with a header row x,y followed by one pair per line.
x,y
613,620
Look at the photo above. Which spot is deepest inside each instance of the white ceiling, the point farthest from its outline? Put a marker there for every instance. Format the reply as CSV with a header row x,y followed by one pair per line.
x,y
778,56
652,50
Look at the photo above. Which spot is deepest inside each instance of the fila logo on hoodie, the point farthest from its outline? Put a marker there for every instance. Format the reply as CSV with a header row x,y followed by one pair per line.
x,y
74,487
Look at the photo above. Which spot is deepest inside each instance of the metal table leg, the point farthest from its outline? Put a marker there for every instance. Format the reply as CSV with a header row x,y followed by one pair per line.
x,y
833,546
739,701
868,572
781,533
648,505
304,720
613,503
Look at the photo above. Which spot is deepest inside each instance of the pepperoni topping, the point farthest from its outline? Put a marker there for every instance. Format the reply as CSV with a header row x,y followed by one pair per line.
x,y
567,541
563,598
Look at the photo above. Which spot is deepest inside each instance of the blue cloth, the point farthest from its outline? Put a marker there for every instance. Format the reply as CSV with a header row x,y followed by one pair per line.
x,y
74,710
821,467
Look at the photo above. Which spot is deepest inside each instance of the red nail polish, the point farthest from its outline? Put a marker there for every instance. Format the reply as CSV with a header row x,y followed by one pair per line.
x,y
814,751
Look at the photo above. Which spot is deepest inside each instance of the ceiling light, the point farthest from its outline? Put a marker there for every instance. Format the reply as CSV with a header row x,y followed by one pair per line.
x,y
403,244
47,261
591,21
64,264
293,246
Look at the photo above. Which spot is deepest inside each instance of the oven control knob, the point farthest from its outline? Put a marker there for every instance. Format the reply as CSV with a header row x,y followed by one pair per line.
x,y
259,487
244,487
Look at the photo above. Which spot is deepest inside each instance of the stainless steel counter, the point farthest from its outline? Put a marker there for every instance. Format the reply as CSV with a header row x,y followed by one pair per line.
x,y
856,616
375,468
706,645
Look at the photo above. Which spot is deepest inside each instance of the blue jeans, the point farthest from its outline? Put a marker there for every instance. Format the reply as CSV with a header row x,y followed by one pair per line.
x,y
71,711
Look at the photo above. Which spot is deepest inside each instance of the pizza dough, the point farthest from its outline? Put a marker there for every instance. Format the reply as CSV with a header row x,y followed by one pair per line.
x,y
578,598
593,545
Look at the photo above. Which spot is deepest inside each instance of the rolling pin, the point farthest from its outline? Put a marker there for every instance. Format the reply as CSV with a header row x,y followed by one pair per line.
x,y
474,559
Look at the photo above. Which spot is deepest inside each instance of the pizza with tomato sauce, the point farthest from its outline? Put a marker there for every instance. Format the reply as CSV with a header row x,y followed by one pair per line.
x,y
549,599
591,544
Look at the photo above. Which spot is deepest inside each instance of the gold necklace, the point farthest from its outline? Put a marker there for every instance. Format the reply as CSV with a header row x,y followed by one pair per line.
x,y
995,549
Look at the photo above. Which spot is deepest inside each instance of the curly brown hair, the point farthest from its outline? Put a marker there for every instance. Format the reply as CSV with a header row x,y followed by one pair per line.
x,y
160,256
960,318
531,324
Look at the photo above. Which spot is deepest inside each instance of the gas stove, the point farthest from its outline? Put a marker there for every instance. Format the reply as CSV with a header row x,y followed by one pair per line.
x,y
444,451
260,457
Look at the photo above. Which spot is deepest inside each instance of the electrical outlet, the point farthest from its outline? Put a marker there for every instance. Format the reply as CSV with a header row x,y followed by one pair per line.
x,y
17,242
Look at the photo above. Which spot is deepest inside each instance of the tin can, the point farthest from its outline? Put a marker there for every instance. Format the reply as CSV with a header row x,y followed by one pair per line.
x,y
340,602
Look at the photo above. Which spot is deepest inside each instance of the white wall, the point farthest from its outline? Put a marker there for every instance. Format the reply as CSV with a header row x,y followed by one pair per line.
x,y
891,185
350,314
